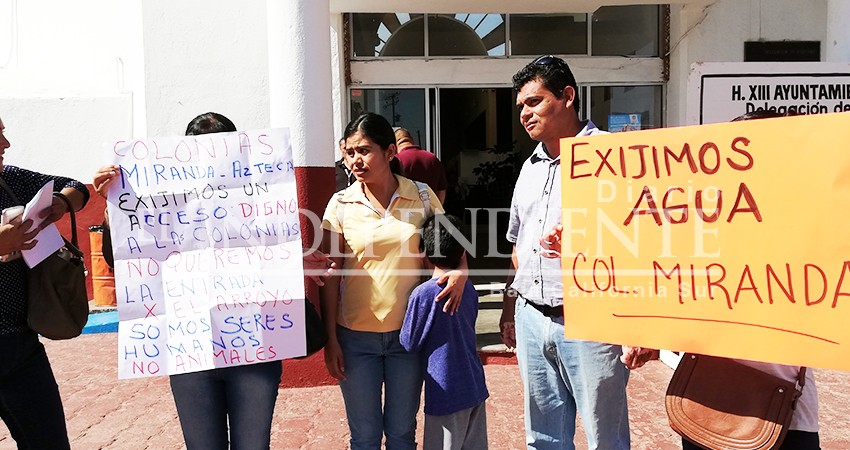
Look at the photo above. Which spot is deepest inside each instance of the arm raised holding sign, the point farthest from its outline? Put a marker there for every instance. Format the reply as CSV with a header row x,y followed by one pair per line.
x,y
208,400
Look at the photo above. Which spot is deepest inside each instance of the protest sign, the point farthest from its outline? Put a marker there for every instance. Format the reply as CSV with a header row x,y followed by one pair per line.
x,y
726,239
207,246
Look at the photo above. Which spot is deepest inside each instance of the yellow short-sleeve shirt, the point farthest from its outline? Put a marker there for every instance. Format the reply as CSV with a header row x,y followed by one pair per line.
x,y
382,262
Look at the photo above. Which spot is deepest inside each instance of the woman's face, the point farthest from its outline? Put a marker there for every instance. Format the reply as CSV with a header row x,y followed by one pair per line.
x,y
366,159
4,144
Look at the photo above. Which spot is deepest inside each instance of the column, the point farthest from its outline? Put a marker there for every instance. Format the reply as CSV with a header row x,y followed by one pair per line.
x,y
301,99
837,31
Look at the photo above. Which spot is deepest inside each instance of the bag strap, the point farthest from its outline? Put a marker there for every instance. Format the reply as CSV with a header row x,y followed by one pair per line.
x,y
801,382
76,247
425,197
67,201
340,208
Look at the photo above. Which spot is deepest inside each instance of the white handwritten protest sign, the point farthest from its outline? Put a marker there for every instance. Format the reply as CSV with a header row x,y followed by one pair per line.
x,y
207,246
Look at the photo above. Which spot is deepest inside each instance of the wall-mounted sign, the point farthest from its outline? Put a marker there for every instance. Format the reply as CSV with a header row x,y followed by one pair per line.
x,y
719,92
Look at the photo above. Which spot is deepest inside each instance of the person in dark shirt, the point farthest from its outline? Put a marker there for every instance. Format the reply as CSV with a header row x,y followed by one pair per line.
x,y
226,405
420,165
344,175
455,416
30,404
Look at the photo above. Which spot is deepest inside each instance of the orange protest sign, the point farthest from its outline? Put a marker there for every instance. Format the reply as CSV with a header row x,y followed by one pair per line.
x,y
727,239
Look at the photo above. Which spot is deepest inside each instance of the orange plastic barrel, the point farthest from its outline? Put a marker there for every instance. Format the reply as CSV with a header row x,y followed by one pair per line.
x,y
103,276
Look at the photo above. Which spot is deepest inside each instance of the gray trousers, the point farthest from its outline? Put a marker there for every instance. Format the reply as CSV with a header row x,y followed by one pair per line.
x,y
463,430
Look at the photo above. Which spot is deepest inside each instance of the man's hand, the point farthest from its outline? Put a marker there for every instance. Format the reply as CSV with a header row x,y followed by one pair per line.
x,y
507,330
550,243
636,357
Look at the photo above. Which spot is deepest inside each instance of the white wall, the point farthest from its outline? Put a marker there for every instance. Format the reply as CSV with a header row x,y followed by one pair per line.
x,y
716,32
74,74
62,48
205,55
62,81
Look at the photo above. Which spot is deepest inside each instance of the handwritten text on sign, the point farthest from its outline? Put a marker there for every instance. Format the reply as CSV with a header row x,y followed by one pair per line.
x,y
207,252
727,239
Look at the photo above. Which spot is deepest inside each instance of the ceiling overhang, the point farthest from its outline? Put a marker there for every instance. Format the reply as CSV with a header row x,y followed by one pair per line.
x,y
484,6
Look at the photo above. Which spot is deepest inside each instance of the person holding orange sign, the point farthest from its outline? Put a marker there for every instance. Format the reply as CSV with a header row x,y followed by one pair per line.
x,y
803,430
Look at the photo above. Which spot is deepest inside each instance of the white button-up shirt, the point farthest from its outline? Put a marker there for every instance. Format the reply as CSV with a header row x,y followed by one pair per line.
x,y
535,209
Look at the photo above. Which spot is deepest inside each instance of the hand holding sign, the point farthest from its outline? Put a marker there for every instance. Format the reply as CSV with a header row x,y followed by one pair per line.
x,y
318,266
551,242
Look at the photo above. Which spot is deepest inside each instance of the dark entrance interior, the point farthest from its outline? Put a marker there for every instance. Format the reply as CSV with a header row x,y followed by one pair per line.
x,y
482,147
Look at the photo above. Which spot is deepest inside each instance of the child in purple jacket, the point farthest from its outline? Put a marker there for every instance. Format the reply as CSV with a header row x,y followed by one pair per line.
x,y
455,416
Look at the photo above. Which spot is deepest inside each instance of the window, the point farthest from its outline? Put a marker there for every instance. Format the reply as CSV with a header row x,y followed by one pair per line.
x,y
542,34
466,35
614,31
388,34
625,108
626,31
401,107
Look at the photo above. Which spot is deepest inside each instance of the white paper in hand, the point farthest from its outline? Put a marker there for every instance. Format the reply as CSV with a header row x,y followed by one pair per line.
x,y
49,239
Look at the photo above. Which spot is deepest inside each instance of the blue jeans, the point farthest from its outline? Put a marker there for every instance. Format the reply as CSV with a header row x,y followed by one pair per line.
x,y
373,361
244,396
563,376
29,396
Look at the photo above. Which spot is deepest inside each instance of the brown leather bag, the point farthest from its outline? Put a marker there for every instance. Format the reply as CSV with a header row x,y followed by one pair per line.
x,y
57,301
720,404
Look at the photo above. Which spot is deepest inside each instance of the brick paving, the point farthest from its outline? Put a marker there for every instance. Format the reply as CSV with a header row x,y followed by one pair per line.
x,y
106,413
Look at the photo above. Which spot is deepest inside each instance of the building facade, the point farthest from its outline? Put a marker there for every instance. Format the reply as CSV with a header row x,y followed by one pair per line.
x,y
75,75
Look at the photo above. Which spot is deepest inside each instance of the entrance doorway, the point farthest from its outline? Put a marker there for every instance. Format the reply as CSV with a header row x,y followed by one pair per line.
x,y
476,134
482,147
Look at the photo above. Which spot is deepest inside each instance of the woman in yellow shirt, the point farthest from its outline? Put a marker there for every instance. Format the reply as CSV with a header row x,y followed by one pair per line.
x,y
371,230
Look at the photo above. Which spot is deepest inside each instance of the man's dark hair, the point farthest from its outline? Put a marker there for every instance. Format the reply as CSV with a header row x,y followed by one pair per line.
x,y
209,123
553,72
441,235
763,114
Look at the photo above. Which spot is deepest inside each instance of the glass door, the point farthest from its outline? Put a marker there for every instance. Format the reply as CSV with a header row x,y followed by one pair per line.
x,y
404,108
482,146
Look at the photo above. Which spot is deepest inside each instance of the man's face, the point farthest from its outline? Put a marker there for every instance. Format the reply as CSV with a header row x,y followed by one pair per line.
x,y
4,144
544,116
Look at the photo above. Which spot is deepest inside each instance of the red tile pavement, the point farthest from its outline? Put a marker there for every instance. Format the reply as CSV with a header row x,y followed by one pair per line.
x,y
106,413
